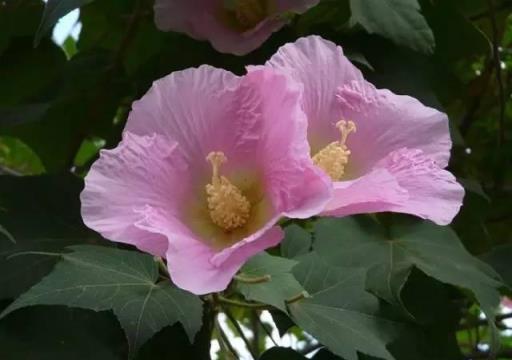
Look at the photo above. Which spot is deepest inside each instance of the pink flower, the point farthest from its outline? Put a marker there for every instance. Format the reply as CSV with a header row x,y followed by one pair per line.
x,y
231,26
384,152
209,162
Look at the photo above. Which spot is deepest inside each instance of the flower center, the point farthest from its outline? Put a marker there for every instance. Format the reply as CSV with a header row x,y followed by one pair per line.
x,y
229,209
333,158
249,13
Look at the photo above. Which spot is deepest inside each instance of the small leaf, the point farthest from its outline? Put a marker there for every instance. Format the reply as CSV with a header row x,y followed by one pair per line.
x,y
397,20
53,11
281,286
297,241
99,278
340,313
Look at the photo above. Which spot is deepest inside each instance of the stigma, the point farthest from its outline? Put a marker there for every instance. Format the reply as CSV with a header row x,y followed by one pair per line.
x,y
334,157
229,209
250,13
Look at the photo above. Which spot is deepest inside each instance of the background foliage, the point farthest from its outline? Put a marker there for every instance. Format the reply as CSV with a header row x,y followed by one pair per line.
x,y
366,287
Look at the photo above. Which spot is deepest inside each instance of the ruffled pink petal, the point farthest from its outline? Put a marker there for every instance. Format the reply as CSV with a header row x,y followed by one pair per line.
x,y
405,181
142,172
194,108
320,66
258,122
298,188
200,20
373,192
202,275
387,122
198,268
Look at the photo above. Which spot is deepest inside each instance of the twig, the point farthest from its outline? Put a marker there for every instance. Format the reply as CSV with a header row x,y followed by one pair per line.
x,y
497,66
269,334
311,348
240,331
252,280
227,301
484,322
503,354
225,340
7,171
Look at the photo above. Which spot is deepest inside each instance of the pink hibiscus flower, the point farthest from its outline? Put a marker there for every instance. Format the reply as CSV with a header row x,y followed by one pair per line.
x,y
209,162
231,26
384,152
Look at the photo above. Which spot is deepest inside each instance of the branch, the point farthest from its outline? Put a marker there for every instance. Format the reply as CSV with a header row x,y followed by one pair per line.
x,y
240,331
224,300
225,340
497,66
484,322
503,354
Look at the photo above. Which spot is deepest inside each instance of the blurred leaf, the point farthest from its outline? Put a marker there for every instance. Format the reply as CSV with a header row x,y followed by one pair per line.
x,y
7,234
43,214
25,113
281,286
53,11
340,313
397,20
500,259
296,242
100,278
51,333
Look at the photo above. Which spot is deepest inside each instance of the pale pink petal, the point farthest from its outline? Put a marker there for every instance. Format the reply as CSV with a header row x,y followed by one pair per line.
x,y
375,191
320,66
258,122
142,172
198,268
405,181
297,187
387,122
200,19
434,193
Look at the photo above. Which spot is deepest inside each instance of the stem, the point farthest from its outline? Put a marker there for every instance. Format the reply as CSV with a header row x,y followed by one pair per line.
x,y
252,280
240,331
269,334
33,253
225,340
299,296
227,301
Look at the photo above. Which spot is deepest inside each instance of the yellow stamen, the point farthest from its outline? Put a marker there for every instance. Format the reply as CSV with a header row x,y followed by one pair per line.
x,y
333,158
250,13
229,208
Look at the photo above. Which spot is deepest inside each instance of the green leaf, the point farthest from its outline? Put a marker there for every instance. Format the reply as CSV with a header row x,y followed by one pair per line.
x,y
42,213
296,242
281,353
99,278
397,20
340,313
388,255
281,286
56,332
53,11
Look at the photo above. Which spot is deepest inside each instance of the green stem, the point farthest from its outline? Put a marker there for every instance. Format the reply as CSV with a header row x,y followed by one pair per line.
x,y
227,301
253,280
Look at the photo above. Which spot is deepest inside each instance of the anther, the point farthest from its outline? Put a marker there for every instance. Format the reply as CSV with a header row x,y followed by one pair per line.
x,y
228,207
